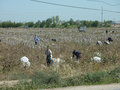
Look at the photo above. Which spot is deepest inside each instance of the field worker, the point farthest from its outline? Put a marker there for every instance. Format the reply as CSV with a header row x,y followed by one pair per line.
x,y
36,39
106,31
77,54
48,54
110,39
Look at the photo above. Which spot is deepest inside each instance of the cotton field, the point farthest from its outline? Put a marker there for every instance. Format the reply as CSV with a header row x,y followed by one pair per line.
x,y
26,36
18,42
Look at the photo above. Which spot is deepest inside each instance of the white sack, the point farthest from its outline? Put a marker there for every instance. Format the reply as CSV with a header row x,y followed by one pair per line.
x,y
25,61
98,59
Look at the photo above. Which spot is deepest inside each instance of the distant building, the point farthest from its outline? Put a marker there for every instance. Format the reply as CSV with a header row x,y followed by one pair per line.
x,y
115,24
82,29
26,26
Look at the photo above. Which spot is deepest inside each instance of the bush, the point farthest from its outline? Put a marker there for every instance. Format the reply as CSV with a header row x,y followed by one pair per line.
x,y
44,78
72,81
92,78
115,73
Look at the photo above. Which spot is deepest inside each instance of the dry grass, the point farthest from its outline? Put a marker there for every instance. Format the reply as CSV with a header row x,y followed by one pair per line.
x,y
18,42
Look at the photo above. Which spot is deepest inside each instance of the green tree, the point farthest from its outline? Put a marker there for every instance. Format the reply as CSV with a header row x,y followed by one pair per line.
x,y
95,24
0,24
53,19
37,24
18,24
43,24
77,22
29,24
71,22
57,20
65,24
49,22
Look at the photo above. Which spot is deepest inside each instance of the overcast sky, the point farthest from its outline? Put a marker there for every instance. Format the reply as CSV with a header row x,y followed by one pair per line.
x,y
27,10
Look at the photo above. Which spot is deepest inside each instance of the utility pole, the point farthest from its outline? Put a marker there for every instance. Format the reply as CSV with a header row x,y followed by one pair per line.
x,y
101,16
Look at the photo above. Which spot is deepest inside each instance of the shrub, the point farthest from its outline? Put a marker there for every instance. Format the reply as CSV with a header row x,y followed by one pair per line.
x,y
93,78
72,81
44,78
115,73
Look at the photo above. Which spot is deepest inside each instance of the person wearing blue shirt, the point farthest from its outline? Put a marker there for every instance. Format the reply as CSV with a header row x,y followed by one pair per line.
x,y
77,54
36,39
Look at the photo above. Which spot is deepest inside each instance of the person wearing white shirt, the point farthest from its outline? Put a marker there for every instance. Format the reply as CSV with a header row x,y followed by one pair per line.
x,y
48,54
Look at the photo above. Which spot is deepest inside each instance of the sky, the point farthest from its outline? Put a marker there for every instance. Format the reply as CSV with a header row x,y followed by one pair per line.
x,y
28,10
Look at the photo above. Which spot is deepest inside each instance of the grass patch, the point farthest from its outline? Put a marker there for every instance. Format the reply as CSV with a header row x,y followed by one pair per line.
x,y
42,80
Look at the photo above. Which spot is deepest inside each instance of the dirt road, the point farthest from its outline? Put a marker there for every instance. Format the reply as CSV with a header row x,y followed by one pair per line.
x,y
95,87
92,87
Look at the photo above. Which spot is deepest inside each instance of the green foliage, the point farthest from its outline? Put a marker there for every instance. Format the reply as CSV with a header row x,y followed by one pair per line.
x,y
19,76
29,24
71,22
73,81
44,78
55,22
107,23
115,73
49,22
10,24
93,77
95,24
43,24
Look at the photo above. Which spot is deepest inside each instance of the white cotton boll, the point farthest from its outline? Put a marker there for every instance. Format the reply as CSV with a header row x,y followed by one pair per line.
x,y
58,60
25,61
98,59
97,54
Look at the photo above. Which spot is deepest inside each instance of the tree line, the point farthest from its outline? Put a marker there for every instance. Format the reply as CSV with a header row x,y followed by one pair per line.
x,y
55,22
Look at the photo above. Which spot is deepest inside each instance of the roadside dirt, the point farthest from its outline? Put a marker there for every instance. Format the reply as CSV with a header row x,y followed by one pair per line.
x,y
95,87
10,83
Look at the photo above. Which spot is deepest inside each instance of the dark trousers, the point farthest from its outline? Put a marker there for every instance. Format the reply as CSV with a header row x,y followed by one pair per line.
x,y
77,57
35,43
49,60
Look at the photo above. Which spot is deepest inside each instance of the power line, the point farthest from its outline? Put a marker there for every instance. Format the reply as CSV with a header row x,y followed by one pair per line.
x,y
104,2
73,6
64,5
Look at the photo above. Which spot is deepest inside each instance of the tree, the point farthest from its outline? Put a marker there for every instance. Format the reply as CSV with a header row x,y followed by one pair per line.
x,y
48,22
53,20
57,20
37,24
71,22
18,24
95,24
77,22
65,24
43,24
29,24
